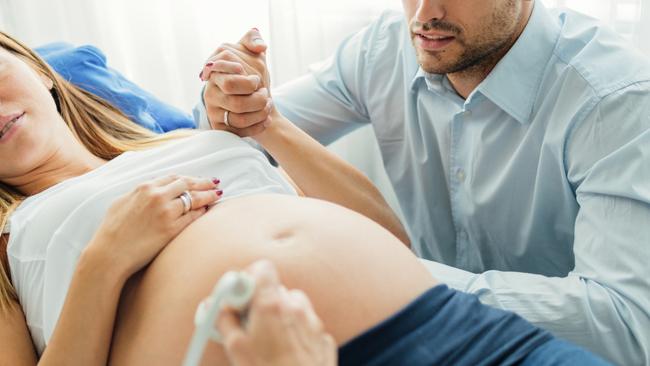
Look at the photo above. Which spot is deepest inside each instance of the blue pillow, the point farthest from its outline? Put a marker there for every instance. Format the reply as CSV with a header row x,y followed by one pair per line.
x,y
85,67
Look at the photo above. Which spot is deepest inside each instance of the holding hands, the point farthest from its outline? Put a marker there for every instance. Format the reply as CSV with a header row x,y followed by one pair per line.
x,y
237,93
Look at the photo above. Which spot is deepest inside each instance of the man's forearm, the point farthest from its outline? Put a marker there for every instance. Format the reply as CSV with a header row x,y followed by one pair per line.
x,y
321,174
573,308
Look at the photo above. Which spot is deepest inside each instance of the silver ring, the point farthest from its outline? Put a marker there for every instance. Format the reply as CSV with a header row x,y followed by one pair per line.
x,y
226,114
186,198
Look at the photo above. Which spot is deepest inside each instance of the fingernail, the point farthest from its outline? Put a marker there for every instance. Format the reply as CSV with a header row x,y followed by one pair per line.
x,y
209,64
219,193
258,42
216,181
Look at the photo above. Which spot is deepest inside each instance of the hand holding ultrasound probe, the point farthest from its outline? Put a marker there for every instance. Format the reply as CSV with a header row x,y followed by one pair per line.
x,y
260,322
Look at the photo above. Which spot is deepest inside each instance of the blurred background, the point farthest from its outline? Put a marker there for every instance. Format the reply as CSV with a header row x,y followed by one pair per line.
x,y
161,44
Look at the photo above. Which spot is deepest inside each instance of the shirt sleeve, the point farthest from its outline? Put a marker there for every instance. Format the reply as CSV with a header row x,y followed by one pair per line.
x,y
200,114
604,303
329,102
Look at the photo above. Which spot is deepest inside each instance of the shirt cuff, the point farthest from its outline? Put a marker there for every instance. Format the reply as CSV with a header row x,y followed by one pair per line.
x,y
200,114
453,277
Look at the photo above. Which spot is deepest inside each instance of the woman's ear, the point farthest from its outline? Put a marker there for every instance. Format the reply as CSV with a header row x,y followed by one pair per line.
x,y
49,84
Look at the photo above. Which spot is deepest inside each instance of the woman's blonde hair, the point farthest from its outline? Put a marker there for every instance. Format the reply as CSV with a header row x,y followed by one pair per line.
x,y
100,127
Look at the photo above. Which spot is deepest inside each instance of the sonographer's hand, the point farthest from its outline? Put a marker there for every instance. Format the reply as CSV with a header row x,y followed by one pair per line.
x,y
282,327
236,94
141,223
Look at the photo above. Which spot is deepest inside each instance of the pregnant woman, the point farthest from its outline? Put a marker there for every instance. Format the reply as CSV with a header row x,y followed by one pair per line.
x,y
109,245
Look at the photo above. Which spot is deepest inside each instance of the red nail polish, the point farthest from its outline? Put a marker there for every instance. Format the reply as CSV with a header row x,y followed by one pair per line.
x,y
219,193
216,181
209,64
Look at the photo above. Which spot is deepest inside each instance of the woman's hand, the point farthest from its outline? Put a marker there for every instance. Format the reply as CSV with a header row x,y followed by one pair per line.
x,y
282,327
141,223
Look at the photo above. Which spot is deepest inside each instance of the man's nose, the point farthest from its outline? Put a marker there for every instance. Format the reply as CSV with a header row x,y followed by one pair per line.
x,y
428,10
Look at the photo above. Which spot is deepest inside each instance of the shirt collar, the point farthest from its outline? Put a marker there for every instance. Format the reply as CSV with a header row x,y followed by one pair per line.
x,y
515,81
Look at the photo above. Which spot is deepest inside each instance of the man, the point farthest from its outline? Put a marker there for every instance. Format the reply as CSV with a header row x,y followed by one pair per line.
x,y
517,142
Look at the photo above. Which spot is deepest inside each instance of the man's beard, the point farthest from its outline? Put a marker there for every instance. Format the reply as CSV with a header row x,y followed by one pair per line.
x,y
482,52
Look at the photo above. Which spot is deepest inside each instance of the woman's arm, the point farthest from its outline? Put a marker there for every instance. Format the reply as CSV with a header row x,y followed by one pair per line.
x,y
16,345
83,333
84,330
136,228
238,82
319,173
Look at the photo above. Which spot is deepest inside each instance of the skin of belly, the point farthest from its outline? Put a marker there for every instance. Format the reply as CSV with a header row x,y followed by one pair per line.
x,y
354,271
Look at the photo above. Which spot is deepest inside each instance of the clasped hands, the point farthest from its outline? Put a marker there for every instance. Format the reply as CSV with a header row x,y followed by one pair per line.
x,y
237,93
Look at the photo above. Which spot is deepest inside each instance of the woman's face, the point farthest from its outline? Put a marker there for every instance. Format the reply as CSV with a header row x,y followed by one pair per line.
x,y
30,125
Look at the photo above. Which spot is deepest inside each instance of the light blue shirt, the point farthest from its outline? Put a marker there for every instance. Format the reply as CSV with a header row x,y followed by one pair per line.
x,y
536,188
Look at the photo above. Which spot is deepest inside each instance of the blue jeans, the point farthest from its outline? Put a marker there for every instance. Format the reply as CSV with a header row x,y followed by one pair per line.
x,y
447,327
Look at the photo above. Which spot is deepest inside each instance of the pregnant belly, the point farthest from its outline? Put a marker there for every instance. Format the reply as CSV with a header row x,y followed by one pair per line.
x,y
355,272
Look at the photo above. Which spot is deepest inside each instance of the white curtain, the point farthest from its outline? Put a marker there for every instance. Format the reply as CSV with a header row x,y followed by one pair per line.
x,y
159,44
631,18
306,31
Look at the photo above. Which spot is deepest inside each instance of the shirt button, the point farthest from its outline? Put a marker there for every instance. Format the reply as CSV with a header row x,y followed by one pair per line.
x,y
461,175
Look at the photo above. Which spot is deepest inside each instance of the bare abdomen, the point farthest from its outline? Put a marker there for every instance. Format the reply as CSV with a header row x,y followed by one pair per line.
x,y
355,272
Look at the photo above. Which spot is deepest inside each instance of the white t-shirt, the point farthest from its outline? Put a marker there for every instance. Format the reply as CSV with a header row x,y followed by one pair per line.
x,y
49,230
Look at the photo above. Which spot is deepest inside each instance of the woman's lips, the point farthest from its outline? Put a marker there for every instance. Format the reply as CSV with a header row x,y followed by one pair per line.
x,y
10,128
433,43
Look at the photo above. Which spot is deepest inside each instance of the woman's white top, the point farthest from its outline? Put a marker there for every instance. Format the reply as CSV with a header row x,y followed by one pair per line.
x,y
49,230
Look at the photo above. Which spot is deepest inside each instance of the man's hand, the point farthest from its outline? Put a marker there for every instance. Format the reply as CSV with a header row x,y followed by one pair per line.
x,y
282,327
238,83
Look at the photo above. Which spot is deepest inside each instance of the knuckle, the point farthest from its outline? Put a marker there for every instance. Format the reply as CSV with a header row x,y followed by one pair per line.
x,y
272,305
214,112
227,55
235,343
228,85
299,312
156,197
235,104
144,188
264,92
238,68
236,120
210,97
261,117
260,101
